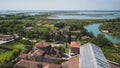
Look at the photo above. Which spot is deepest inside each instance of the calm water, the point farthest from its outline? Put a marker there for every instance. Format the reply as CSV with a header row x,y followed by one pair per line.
x,y
54,14
87,15
94,28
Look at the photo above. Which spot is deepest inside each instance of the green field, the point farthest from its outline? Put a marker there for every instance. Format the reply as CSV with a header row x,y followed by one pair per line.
x,y
11,50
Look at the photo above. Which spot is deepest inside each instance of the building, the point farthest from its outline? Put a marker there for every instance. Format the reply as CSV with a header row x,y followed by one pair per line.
x,y
43,55
105,31
4,37
40,49
75,47
91,56
34,64
45,46
32,55
85,37
73,38
30,28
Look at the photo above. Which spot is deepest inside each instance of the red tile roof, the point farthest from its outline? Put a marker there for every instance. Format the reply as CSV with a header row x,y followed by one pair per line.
x,y
28,64
85,37
22,56
76,31
114,66
42,44
4,36
75,44
73,62
34,64
37,53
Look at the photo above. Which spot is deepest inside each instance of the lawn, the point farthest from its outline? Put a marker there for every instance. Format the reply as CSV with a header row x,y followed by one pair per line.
x,y
12,46
15,47
2,51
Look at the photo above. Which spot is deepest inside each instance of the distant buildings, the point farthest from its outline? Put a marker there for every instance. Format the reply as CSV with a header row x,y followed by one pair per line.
x,y
4,37
85,37
30,28
105,31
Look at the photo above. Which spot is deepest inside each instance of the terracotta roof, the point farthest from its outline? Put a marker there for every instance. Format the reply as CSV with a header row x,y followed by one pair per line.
x,y
85,37
34,64
76,31
30,64
37,53
54,66
4,36
114,66
65,64
73,62
23,56
75,44
49,56
30,54
42,44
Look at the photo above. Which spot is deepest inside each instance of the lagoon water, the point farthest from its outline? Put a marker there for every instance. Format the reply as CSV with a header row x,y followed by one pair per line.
x,y
87,15
94,28
66,14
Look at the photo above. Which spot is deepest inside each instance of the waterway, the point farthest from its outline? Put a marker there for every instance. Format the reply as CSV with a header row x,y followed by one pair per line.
x,y
94,28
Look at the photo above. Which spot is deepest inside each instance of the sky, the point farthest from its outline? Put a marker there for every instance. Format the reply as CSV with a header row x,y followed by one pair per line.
x,y
59,5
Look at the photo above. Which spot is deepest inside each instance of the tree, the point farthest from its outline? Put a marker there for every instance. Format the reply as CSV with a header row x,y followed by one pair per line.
x,y
60,25
101,41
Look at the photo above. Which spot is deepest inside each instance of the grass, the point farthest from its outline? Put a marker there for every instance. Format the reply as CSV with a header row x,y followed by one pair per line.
x,y
10,54
2,51
6,56
13,45
20,46
66,48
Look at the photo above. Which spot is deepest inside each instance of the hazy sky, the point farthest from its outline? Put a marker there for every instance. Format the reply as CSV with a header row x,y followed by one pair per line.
x,y
60,4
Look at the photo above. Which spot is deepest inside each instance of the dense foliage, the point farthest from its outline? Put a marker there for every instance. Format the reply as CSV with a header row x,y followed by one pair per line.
x,y
10,27
60,25
101,41
113,28
111,53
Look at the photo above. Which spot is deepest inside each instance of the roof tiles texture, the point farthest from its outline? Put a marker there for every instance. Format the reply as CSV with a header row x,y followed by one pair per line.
x,y
75,44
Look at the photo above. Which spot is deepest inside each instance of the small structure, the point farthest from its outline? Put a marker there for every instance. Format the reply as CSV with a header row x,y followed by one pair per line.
x,y
105,31
75,47
73,38
91,56
75,32
29,28
45,46
32,55
4,37
85,37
